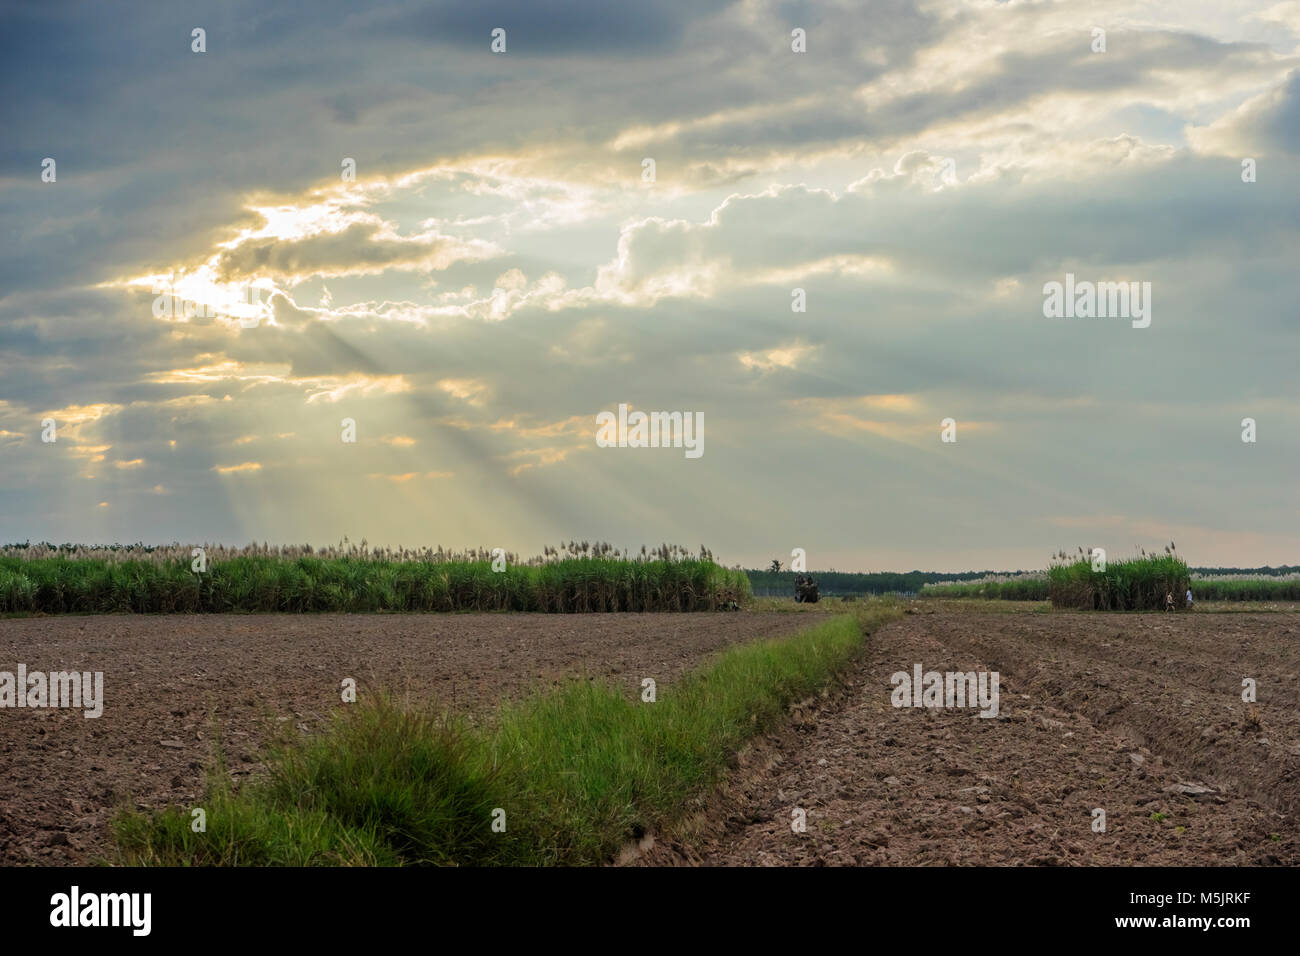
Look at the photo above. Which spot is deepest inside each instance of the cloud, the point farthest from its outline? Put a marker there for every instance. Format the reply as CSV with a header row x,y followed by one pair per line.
x,y
786,357
408,476
909,420
540,458
563,27
363,248
1265,125
468,390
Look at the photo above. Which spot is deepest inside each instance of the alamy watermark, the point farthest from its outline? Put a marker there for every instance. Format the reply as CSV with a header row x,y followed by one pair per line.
x,y
948,689
248,310
1098,300
638,429
75,908
56,689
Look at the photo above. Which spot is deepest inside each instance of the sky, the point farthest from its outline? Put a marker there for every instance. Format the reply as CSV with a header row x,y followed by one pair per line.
x,y
822,229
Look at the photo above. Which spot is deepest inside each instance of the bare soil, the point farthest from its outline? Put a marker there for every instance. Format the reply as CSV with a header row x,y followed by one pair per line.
x,y
174,684
1138,715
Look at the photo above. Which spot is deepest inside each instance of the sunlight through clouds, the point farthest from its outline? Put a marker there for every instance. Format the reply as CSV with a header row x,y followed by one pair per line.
x,y
828,253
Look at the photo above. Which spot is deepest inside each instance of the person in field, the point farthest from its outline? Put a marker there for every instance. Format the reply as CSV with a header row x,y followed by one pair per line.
x,y
1189,597
1169,601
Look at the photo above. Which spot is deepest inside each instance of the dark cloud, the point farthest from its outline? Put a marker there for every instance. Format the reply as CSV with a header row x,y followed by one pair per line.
x,y
359,248
554,27
1269,123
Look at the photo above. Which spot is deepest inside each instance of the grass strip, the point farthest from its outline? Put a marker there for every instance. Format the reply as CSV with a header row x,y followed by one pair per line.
x,y
573,774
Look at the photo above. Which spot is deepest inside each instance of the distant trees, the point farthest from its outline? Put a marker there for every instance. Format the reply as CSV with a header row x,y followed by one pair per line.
x,y
845,582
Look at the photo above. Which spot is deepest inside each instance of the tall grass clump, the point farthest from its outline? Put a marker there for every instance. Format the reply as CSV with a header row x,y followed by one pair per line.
x,y
1133,584
572,578
573,774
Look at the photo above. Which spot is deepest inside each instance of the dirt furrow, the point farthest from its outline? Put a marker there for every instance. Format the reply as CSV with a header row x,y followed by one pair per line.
x,y
1076,733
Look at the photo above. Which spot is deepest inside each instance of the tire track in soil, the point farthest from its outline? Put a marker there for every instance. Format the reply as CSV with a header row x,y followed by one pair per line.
x,y
1104,712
